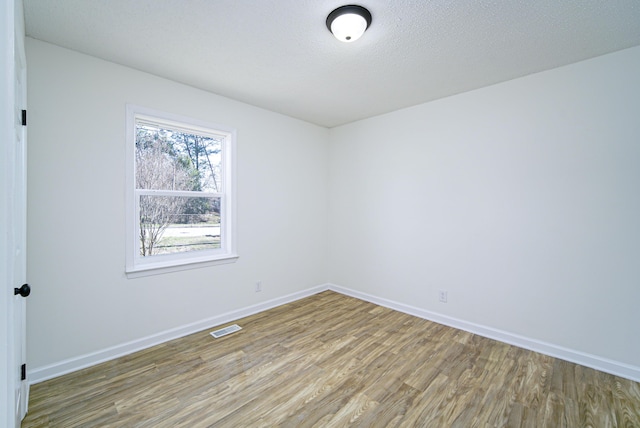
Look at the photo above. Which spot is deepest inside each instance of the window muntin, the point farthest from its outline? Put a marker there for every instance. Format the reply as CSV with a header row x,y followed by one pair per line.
x,y
180,192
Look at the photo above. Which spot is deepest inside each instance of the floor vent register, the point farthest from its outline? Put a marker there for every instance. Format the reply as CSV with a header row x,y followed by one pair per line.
x,y
227,330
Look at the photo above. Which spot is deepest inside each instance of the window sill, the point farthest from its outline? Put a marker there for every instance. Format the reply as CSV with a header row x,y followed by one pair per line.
x,y
176,266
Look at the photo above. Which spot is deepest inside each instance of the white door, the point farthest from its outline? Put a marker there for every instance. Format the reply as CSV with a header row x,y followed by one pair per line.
x,y
13,218
20,219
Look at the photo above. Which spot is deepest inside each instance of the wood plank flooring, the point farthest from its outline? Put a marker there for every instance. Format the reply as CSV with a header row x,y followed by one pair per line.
x,y
331,361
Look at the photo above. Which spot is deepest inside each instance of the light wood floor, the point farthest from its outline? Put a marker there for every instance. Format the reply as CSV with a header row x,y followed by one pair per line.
x,y
330,361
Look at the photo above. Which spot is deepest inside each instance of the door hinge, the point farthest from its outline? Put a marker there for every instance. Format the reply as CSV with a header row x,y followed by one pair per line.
x,y
24,118
23,372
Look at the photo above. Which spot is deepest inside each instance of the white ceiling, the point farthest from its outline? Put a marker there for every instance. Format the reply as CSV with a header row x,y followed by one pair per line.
x,y
279,55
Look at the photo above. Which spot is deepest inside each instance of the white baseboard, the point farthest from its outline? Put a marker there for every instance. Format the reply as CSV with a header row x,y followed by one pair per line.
x,y
77,363
593,361
41,374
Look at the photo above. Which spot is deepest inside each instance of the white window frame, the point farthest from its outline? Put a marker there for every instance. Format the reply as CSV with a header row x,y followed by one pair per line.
x,y
137,265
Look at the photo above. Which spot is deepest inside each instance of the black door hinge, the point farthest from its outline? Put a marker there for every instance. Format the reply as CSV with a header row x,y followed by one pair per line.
x,y
24,118
23,372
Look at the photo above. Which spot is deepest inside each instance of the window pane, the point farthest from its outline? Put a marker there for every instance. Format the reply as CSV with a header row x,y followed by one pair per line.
x,y
178,224
169,159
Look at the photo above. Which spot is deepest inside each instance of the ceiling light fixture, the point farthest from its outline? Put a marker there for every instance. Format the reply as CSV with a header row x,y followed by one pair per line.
x,y
348,23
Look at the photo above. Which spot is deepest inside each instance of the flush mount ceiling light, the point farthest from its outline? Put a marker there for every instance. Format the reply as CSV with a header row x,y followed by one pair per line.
x,y
348,23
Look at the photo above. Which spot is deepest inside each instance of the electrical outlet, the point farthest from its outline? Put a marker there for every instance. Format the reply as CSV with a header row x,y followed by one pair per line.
x,y
258,286
442,296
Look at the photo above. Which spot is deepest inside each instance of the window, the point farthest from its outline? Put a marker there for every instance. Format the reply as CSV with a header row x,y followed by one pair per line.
x,y
180,193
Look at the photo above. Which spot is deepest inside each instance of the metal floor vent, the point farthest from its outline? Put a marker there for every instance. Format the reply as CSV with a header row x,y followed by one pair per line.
x,y
225,331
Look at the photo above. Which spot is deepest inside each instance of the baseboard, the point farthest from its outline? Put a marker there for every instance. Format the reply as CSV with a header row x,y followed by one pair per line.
x,y
41,374
593,361
617,368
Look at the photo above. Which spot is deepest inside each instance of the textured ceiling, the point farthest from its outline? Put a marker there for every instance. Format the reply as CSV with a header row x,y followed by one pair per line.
x,y
279,54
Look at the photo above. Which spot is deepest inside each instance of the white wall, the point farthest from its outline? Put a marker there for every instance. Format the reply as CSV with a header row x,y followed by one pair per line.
x,y
522,200
81,301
